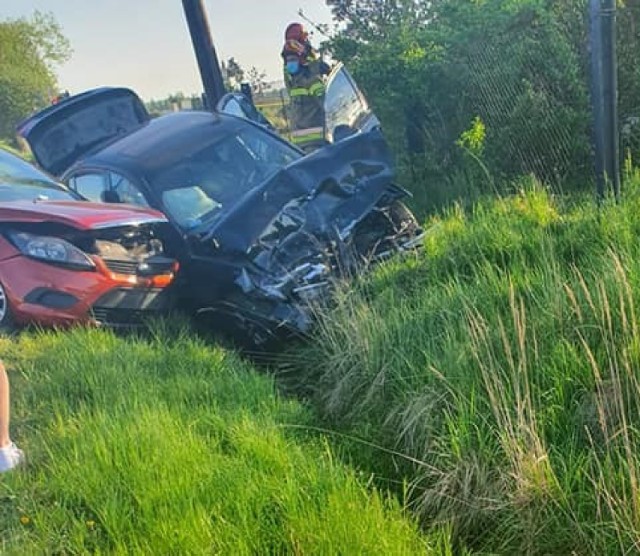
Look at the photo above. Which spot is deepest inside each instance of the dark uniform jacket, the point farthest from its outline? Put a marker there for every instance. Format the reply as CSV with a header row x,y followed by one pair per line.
x,y
306,90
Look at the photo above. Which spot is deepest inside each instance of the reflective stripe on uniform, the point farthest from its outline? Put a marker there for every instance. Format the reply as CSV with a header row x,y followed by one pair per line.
x,y
308,131
317,89
299,92
307,139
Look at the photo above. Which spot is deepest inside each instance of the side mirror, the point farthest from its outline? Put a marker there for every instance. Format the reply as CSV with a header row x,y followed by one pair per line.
x,y
343,131
240,105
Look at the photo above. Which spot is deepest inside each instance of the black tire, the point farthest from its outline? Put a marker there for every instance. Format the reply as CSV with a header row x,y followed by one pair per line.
x,y
6,315
382,231
403,219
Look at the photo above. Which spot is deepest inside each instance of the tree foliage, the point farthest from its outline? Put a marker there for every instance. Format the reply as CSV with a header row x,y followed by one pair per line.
x,y
433,69
31,48
234,73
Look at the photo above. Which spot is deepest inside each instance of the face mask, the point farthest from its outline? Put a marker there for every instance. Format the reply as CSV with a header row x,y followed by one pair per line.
x,y
293,67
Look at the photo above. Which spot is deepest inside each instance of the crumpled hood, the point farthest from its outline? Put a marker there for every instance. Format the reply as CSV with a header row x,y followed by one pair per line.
x,y
329,191
78,214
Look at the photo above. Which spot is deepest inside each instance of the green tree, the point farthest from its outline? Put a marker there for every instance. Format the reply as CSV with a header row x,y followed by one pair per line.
x,y
257,79
234,74
31,49
430,68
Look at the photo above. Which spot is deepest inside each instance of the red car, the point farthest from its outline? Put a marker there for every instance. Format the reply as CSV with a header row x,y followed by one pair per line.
x,y
66,261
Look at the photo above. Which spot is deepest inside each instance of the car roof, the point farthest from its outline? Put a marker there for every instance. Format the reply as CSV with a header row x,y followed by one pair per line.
x,y
162,141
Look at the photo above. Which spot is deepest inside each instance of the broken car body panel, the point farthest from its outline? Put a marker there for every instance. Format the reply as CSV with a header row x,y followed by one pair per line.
x,y
334,187
303,234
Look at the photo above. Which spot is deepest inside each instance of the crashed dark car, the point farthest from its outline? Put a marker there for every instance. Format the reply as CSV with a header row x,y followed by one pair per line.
x,y
262,230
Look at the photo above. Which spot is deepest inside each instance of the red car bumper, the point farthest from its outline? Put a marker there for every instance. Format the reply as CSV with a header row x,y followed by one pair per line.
x,y
49,295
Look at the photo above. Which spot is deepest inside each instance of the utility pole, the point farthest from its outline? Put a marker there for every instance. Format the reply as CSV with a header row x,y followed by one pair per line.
x,y
205,52
610,78
597,103
604,95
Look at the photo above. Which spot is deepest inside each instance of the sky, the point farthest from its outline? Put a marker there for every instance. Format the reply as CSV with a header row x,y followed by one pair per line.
x,y
145,44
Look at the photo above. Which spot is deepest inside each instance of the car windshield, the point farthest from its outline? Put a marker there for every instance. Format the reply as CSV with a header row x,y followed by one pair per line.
x,y
213,179
20,181
30,191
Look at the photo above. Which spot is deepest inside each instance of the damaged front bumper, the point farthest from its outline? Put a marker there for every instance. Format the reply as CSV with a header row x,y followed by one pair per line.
x,y
326,218
290,299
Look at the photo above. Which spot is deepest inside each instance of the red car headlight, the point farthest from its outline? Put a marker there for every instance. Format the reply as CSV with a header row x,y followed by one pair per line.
x,y
51,250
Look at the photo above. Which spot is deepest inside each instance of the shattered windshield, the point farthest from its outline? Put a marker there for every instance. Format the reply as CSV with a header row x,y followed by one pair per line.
x,y
20,181
213,179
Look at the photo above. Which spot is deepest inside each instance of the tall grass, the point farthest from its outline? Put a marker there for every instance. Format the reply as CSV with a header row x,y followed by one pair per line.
x,y
498,372
166,445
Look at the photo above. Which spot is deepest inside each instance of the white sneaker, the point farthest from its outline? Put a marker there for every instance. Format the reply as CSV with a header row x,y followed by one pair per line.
x,y
10,457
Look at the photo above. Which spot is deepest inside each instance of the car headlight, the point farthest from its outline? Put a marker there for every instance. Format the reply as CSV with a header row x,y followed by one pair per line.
x,y
52,250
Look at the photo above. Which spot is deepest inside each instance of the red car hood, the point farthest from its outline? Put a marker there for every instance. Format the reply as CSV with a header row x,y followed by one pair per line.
x,y
79,214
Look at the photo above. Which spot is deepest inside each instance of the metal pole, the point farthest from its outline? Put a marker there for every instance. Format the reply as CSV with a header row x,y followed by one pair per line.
x,y
610,75
597,101
205,52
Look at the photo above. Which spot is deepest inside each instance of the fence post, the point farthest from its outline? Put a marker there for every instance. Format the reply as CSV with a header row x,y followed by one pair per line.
x,y
610,94
597,100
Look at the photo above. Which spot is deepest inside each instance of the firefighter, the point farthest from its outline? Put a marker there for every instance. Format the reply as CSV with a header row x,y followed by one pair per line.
x,y
304,77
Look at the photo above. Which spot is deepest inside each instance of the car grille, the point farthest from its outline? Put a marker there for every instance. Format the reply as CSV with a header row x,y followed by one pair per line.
x,y
122,267
120,317
131,307
154,266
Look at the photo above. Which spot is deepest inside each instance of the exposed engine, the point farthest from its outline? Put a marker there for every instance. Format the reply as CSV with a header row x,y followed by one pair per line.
x,y
132,250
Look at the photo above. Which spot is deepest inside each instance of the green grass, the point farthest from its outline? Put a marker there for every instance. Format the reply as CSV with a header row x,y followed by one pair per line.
x,y
491,381
167,445
498,372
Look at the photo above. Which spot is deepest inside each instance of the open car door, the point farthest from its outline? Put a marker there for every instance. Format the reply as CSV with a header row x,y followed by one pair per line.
x,y
346,108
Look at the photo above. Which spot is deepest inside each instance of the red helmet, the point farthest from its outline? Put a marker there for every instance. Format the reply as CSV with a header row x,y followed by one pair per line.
x,y
295,32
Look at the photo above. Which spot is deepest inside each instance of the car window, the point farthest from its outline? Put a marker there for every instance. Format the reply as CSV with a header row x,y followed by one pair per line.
x,y
240,106
127,192
106,186
216,176
90,186
32,191
343,104
233,107
20,181
12,166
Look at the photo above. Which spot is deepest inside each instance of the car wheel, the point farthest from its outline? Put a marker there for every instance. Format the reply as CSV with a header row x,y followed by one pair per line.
x,y
383,231
6,317
403,219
